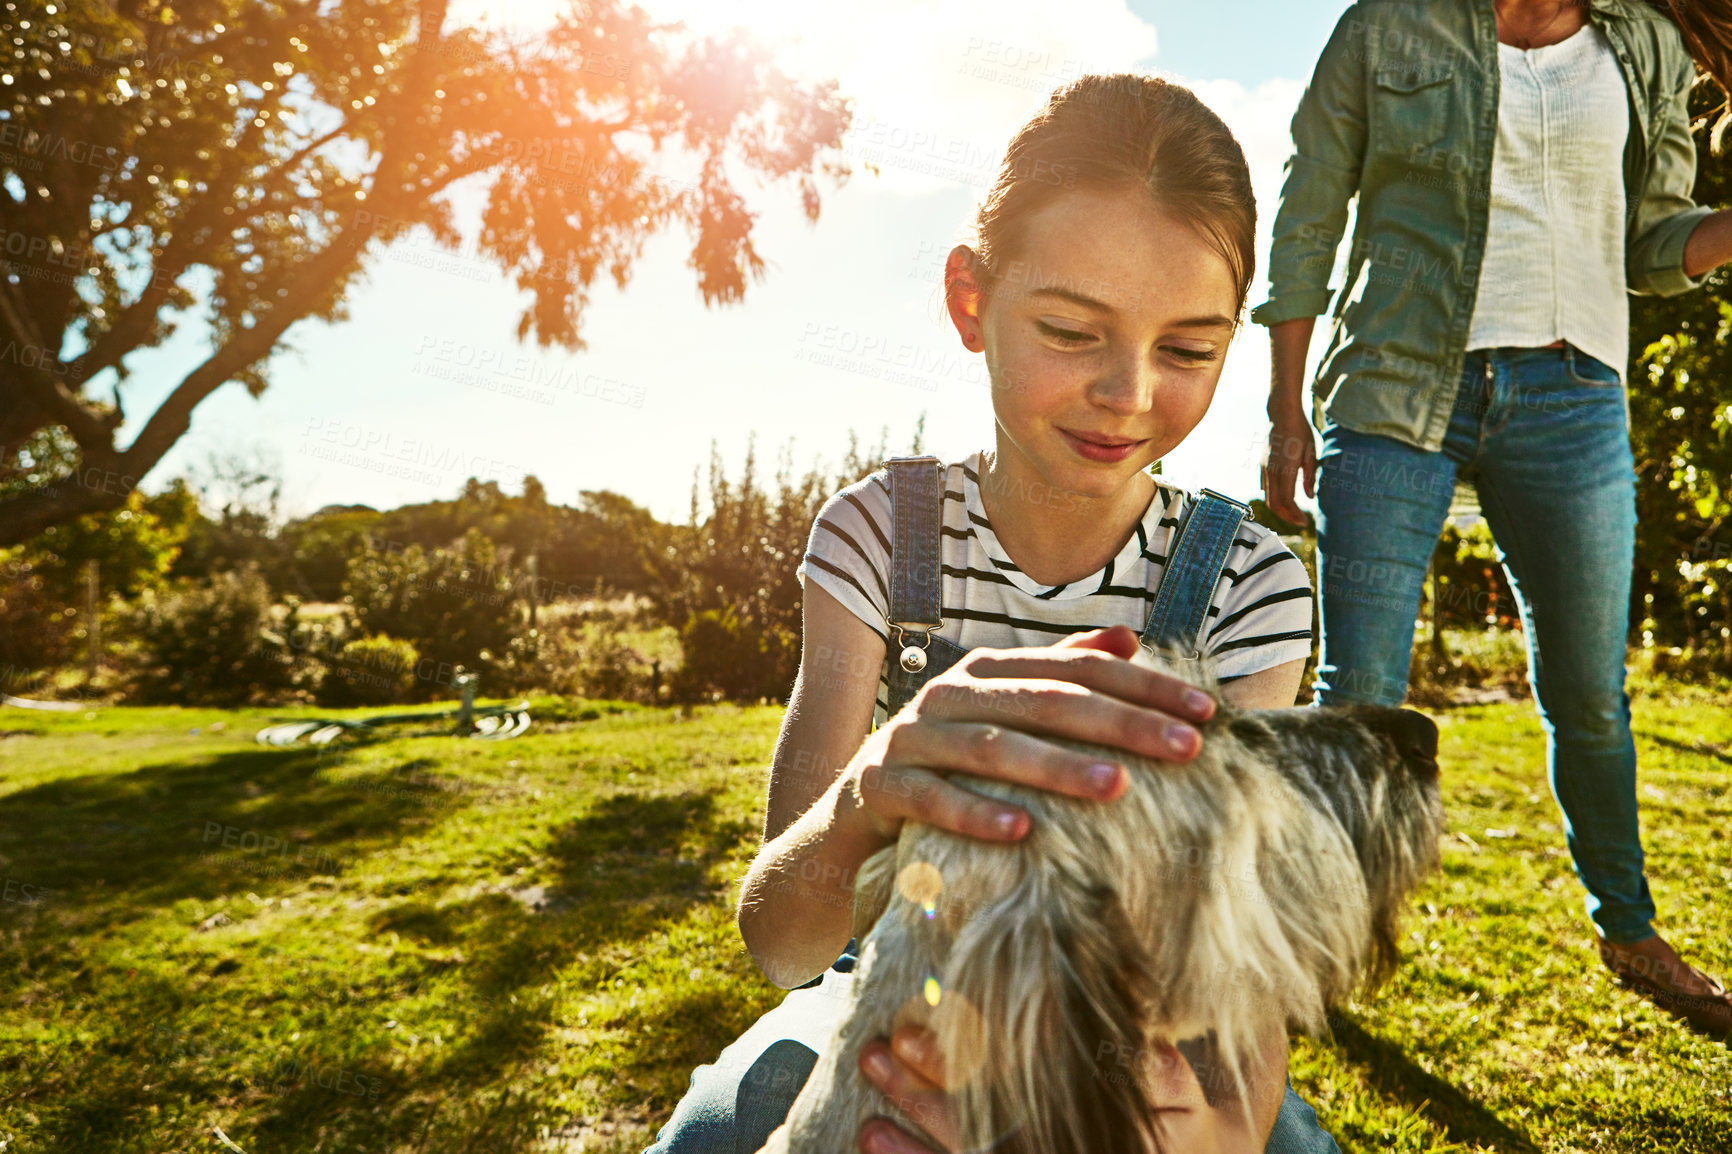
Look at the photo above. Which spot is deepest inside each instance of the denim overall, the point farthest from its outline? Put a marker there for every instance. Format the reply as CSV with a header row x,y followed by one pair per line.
x,y
1176,619
734,1104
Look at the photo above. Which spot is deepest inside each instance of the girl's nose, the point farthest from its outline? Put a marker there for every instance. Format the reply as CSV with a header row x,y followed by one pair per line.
x,y
1127,388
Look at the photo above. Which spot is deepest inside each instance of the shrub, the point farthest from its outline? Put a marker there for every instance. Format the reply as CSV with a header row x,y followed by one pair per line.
x,y
725,656
574,657
35,627
613,670
378,670
451,604
214,642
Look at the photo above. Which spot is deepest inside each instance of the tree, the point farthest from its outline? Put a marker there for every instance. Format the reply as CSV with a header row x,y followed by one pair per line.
x,y
453,604
43,608
727,580
244,489
317,549
236,162
1680,379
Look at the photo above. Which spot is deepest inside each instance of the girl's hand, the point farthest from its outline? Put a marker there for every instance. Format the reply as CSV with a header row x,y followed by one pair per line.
x,y
910,1072
989,715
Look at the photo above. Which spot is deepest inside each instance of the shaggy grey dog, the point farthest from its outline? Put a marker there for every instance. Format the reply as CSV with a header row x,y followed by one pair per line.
x,y
1248,889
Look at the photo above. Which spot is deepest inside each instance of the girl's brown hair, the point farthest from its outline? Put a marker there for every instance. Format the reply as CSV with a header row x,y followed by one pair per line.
x,y
1707,29
1126,130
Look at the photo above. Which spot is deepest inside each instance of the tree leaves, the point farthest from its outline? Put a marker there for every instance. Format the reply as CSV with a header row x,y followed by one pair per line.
x,y
235,161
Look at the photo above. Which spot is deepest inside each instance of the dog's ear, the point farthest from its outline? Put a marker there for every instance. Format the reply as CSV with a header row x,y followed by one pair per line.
x,y
873,886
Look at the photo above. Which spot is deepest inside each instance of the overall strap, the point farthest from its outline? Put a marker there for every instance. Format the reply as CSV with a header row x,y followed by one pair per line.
x,y
1194,562
916,502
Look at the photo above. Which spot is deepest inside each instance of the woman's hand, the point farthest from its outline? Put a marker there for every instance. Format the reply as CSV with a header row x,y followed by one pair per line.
x,y
991,715
1292,452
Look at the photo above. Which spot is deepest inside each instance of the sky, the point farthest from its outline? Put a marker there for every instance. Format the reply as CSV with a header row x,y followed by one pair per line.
x,y
416,390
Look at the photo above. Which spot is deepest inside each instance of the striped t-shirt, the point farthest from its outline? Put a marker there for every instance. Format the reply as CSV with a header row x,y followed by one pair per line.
x,y
1259,617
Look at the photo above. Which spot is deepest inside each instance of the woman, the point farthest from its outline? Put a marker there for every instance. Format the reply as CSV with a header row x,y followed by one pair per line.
x,y
1520,166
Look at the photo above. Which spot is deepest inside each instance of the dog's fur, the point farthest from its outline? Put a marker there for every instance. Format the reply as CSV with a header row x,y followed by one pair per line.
x,y
1247,889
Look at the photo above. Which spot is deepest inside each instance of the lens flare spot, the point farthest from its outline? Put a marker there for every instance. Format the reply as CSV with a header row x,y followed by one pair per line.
x,y
920,883
933,990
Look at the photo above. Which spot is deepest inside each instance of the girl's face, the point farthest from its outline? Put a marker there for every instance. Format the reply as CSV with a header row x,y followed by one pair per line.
x,y
1104,336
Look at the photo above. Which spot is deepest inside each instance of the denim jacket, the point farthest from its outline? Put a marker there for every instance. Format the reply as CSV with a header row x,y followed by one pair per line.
x,y
1402,110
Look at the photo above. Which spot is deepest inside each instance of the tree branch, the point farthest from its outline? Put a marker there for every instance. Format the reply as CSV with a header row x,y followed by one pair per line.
x,y
88,428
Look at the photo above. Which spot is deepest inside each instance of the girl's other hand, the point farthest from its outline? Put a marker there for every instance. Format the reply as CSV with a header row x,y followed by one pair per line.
x,y
910,1072
991,714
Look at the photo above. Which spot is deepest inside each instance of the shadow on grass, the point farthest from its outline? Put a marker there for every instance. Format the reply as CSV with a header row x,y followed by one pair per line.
x,y
1390,1071
139,1057
247,818
617,884
1699,748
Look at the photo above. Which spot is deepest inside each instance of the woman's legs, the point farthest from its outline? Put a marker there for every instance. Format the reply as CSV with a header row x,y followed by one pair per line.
x,y
1545,434
1557,485
1381,505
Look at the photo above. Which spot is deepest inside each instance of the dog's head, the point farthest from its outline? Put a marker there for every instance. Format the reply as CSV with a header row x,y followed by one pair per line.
x,y
1374,768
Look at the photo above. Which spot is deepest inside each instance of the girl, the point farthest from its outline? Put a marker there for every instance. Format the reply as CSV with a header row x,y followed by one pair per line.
x,y
1112,264
1520,166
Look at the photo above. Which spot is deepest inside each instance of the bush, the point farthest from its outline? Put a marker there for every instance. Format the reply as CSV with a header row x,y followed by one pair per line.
x,y
730,658
35,627
575,657
451,604
215,642
377,670
613,670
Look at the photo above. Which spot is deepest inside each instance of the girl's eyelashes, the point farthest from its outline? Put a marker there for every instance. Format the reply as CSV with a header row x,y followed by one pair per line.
x,y
1073,337
1062,335
1195,356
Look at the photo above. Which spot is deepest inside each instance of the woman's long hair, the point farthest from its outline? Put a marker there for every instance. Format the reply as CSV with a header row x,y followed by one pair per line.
x,y
1707,29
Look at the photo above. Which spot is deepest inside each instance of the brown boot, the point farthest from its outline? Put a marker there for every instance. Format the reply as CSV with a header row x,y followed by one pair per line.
x,y
1654,970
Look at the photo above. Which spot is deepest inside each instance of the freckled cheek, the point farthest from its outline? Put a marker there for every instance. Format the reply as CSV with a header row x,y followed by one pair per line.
x,y
1189,398
1035,381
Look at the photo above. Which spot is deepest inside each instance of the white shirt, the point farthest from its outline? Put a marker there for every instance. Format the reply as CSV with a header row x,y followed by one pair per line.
x,y
1554,253
1260,615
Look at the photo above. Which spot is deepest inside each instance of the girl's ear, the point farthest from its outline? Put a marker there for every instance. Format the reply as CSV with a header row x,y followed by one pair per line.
x,y
964,294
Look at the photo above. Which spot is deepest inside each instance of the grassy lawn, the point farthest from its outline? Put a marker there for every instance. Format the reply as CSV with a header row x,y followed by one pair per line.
x,y
431,945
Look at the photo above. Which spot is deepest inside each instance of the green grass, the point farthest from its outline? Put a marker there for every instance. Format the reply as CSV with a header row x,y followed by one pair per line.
x,y
466,946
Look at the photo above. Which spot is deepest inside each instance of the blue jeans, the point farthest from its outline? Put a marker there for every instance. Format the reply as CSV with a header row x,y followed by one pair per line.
x,y
1544,434
734,1104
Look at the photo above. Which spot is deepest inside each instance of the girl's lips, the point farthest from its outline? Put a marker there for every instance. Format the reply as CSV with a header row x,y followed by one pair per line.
x,y
1096,449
